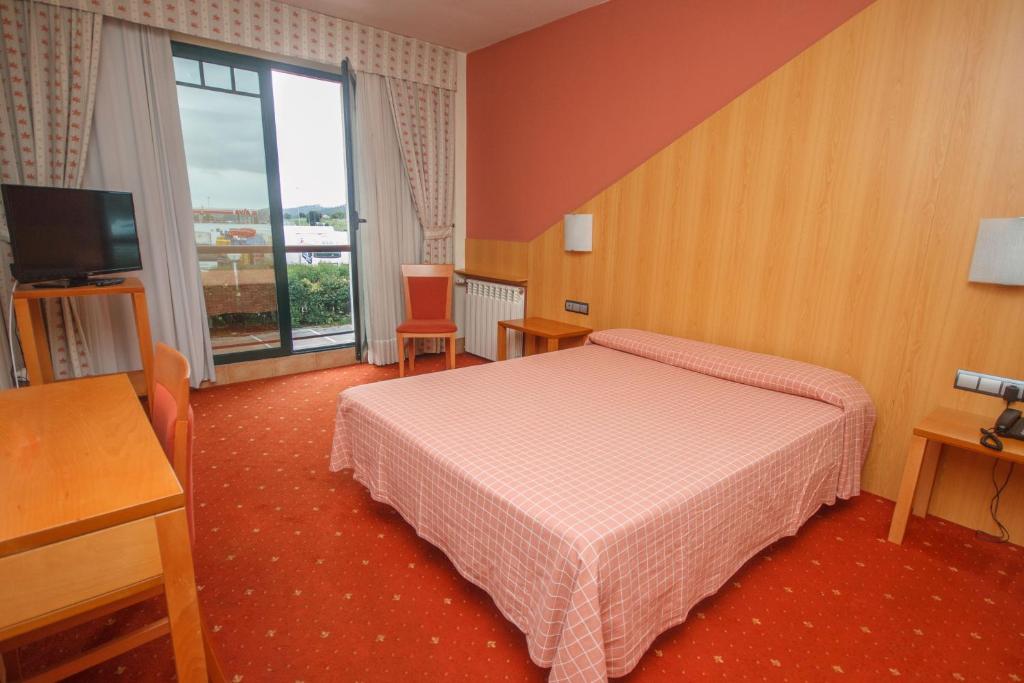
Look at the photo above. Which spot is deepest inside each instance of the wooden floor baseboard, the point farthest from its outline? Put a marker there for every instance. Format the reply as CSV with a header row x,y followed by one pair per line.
x,y
232,373
246,371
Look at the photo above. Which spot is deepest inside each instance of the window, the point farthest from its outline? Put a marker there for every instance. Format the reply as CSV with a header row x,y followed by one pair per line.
x,y
269,176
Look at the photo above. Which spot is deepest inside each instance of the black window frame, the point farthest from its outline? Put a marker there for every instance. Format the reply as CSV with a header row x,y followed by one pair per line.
x,y
264,69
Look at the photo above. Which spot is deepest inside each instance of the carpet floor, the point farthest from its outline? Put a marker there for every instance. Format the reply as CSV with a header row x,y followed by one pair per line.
x,y
304,578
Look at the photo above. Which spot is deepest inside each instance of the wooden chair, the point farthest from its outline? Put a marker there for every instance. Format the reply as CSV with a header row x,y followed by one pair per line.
x,y
172,420
428,311
172,417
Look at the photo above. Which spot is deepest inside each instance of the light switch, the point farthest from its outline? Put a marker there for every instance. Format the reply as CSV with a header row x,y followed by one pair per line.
x,y
990,385
965,380
581,307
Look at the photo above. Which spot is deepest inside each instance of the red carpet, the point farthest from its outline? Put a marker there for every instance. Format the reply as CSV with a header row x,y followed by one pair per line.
x,y
304,578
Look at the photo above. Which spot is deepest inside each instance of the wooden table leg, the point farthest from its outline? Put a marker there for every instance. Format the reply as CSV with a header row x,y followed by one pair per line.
x,y
213,666
552,344
42,339
10,666
35,349
400,344
182,602
529,344
502,342
911,472
145,341
27,336
926,480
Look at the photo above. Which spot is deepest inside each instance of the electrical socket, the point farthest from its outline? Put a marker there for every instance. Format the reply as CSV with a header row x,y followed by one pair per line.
x,y
580,307
990,385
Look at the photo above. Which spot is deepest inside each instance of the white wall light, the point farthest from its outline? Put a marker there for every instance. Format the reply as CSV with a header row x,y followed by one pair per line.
x,y
579,232
999,252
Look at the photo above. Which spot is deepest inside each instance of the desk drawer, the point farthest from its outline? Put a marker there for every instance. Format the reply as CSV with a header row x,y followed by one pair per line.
x,y
41,586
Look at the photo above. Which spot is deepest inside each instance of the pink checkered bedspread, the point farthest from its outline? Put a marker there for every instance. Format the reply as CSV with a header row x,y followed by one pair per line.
x,y
598,493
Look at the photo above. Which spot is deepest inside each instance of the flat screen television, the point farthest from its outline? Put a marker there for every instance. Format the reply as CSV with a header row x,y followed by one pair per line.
x,y
65,234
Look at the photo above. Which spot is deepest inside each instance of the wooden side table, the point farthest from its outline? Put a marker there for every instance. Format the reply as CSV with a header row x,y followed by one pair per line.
x,y
942,427
35,348
534,330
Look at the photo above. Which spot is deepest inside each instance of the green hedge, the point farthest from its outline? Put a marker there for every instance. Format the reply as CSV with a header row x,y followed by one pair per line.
x,y
320,294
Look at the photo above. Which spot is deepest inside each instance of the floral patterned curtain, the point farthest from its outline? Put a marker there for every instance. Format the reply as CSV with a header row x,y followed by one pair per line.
x,y
425,121
48,62
285,29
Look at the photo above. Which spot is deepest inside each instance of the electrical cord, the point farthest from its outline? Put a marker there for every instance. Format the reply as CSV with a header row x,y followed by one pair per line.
x,y
990,440
10,334
993,507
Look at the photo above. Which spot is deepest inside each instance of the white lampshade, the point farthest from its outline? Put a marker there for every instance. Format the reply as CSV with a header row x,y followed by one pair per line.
x,y
579,232
999,252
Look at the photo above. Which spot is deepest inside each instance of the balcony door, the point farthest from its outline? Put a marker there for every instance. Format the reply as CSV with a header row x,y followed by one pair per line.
x,y
270,177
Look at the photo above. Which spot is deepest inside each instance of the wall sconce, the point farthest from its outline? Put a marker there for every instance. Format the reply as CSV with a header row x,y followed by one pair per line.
x,y
579,232
999,252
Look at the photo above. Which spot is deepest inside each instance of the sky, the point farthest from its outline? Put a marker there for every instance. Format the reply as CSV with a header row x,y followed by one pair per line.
x,y
310,140
224,145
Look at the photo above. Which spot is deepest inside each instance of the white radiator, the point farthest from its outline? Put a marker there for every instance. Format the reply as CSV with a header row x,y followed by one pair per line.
x,y
486,304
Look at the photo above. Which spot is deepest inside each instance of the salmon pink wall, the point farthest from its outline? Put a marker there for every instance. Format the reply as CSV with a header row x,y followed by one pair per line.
x,y
559,113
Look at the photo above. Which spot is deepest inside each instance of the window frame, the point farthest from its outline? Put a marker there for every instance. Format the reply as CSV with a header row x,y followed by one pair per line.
x,y
264,69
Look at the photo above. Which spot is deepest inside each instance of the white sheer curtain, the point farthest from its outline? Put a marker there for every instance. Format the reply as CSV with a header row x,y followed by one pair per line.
x,y
391,234
47,90
137,146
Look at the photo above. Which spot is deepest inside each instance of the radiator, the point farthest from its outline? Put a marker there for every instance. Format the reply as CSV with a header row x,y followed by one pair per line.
x,y
486,304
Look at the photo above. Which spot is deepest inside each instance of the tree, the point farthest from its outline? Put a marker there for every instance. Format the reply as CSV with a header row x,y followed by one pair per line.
x,y
320,294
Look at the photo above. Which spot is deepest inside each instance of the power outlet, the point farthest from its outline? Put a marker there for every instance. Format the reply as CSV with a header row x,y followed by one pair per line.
x,y
580,307
991,385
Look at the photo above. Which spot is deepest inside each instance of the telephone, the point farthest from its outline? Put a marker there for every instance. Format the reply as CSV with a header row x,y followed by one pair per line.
x,y
1010,424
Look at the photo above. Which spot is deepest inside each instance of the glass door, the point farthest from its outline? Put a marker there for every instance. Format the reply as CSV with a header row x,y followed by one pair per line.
x,y
268,173
311,157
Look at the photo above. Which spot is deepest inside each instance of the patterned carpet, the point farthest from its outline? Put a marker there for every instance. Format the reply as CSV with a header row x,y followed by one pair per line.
x,y
304,578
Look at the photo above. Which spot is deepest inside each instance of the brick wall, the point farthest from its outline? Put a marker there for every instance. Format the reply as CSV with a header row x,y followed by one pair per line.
x,y
255,291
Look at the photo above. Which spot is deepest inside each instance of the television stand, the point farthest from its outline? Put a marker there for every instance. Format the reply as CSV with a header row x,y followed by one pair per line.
x,y
70,282
35,348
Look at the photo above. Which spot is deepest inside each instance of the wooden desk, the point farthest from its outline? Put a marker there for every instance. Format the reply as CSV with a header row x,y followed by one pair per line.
x,y
942,427
536,329
28,309
91,513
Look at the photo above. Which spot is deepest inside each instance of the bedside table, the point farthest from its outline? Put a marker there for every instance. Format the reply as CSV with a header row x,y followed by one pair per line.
x,y
942,427
536,329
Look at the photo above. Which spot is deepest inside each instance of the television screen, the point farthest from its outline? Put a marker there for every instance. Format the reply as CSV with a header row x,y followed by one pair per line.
x,y
62,233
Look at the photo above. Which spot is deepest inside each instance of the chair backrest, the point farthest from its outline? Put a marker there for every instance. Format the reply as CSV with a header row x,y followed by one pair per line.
x,y
428,291
172,416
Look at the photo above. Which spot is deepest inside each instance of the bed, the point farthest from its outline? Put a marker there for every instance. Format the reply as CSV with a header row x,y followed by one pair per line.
x,y
598,493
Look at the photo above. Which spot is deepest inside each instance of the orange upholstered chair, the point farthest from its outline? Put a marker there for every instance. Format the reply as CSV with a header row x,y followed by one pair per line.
x,y
428,311
173,420
172,417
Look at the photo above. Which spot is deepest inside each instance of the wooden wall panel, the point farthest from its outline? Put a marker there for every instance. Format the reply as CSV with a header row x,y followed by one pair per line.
x,y
498,257
828,214
559,112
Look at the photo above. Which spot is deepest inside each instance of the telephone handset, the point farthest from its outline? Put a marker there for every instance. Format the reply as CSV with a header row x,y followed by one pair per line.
x,y
1010,424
